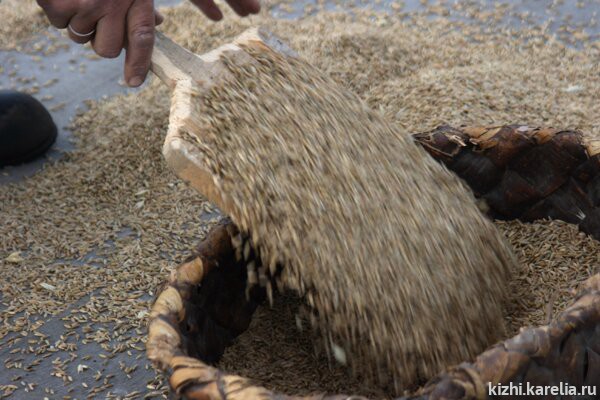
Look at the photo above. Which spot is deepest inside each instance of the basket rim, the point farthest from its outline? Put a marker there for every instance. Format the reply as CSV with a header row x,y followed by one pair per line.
x,y
193,379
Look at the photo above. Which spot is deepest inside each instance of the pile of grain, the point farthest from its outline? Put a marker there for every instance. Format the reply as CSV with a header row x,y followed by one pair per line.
x,y
21,19
274,353
115,196
556,258
388,247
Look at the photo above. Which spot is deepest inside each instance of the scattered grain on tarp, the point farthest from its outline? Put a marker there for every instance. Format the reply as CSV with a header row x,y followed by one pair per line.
x,y
419,72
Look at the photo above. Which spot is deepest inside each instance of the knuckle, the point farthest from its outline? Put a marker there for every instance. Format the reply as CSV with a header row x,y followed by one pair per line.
x,y
112,7
142,36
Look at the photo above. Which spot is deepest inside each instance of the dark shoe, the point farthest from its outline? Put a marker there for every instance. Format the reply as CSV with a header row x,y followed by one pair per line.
x,y
26,128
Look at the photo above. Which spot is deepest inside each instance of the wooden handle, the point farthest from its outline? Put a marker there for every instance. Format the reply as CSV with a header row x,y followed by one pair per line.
x,y
189,76
172,63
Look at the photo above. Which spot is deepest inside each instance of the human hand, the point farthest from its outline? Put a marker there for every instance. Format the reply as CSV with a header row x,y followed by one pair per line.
x,y
241,7
111,25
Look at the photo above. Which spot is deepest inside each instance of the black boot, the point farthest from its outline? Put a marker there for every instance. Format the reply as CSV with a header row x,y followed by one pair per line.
x,y
26,128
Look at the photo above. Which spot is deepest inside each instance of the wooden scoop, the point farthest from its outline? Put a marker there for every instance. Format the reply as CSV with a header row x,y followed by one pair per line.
x,y
189,75
387,246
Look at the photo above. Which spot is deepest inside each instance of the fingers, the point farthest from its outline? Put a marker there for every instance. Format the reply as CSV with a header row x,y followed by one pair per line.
x,y
110,36
82,28
59,13
244,7
241,7
253,6
238,7
158,18
140,41
209,8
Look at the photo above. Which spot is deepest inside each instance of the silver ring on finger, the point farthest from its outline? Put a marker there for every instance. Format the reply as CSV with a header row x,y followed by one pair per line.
x,y
81,35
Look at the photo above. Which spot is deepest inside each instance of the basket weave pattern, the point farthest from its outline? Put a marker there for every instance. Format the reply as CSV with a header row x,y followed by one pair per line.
x,y
525,173
566,350
205,304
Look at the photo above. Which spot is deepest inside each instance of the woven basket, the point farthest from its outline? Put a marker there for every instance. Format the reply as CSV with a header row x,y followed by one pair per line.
x,y
525,173
206,304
